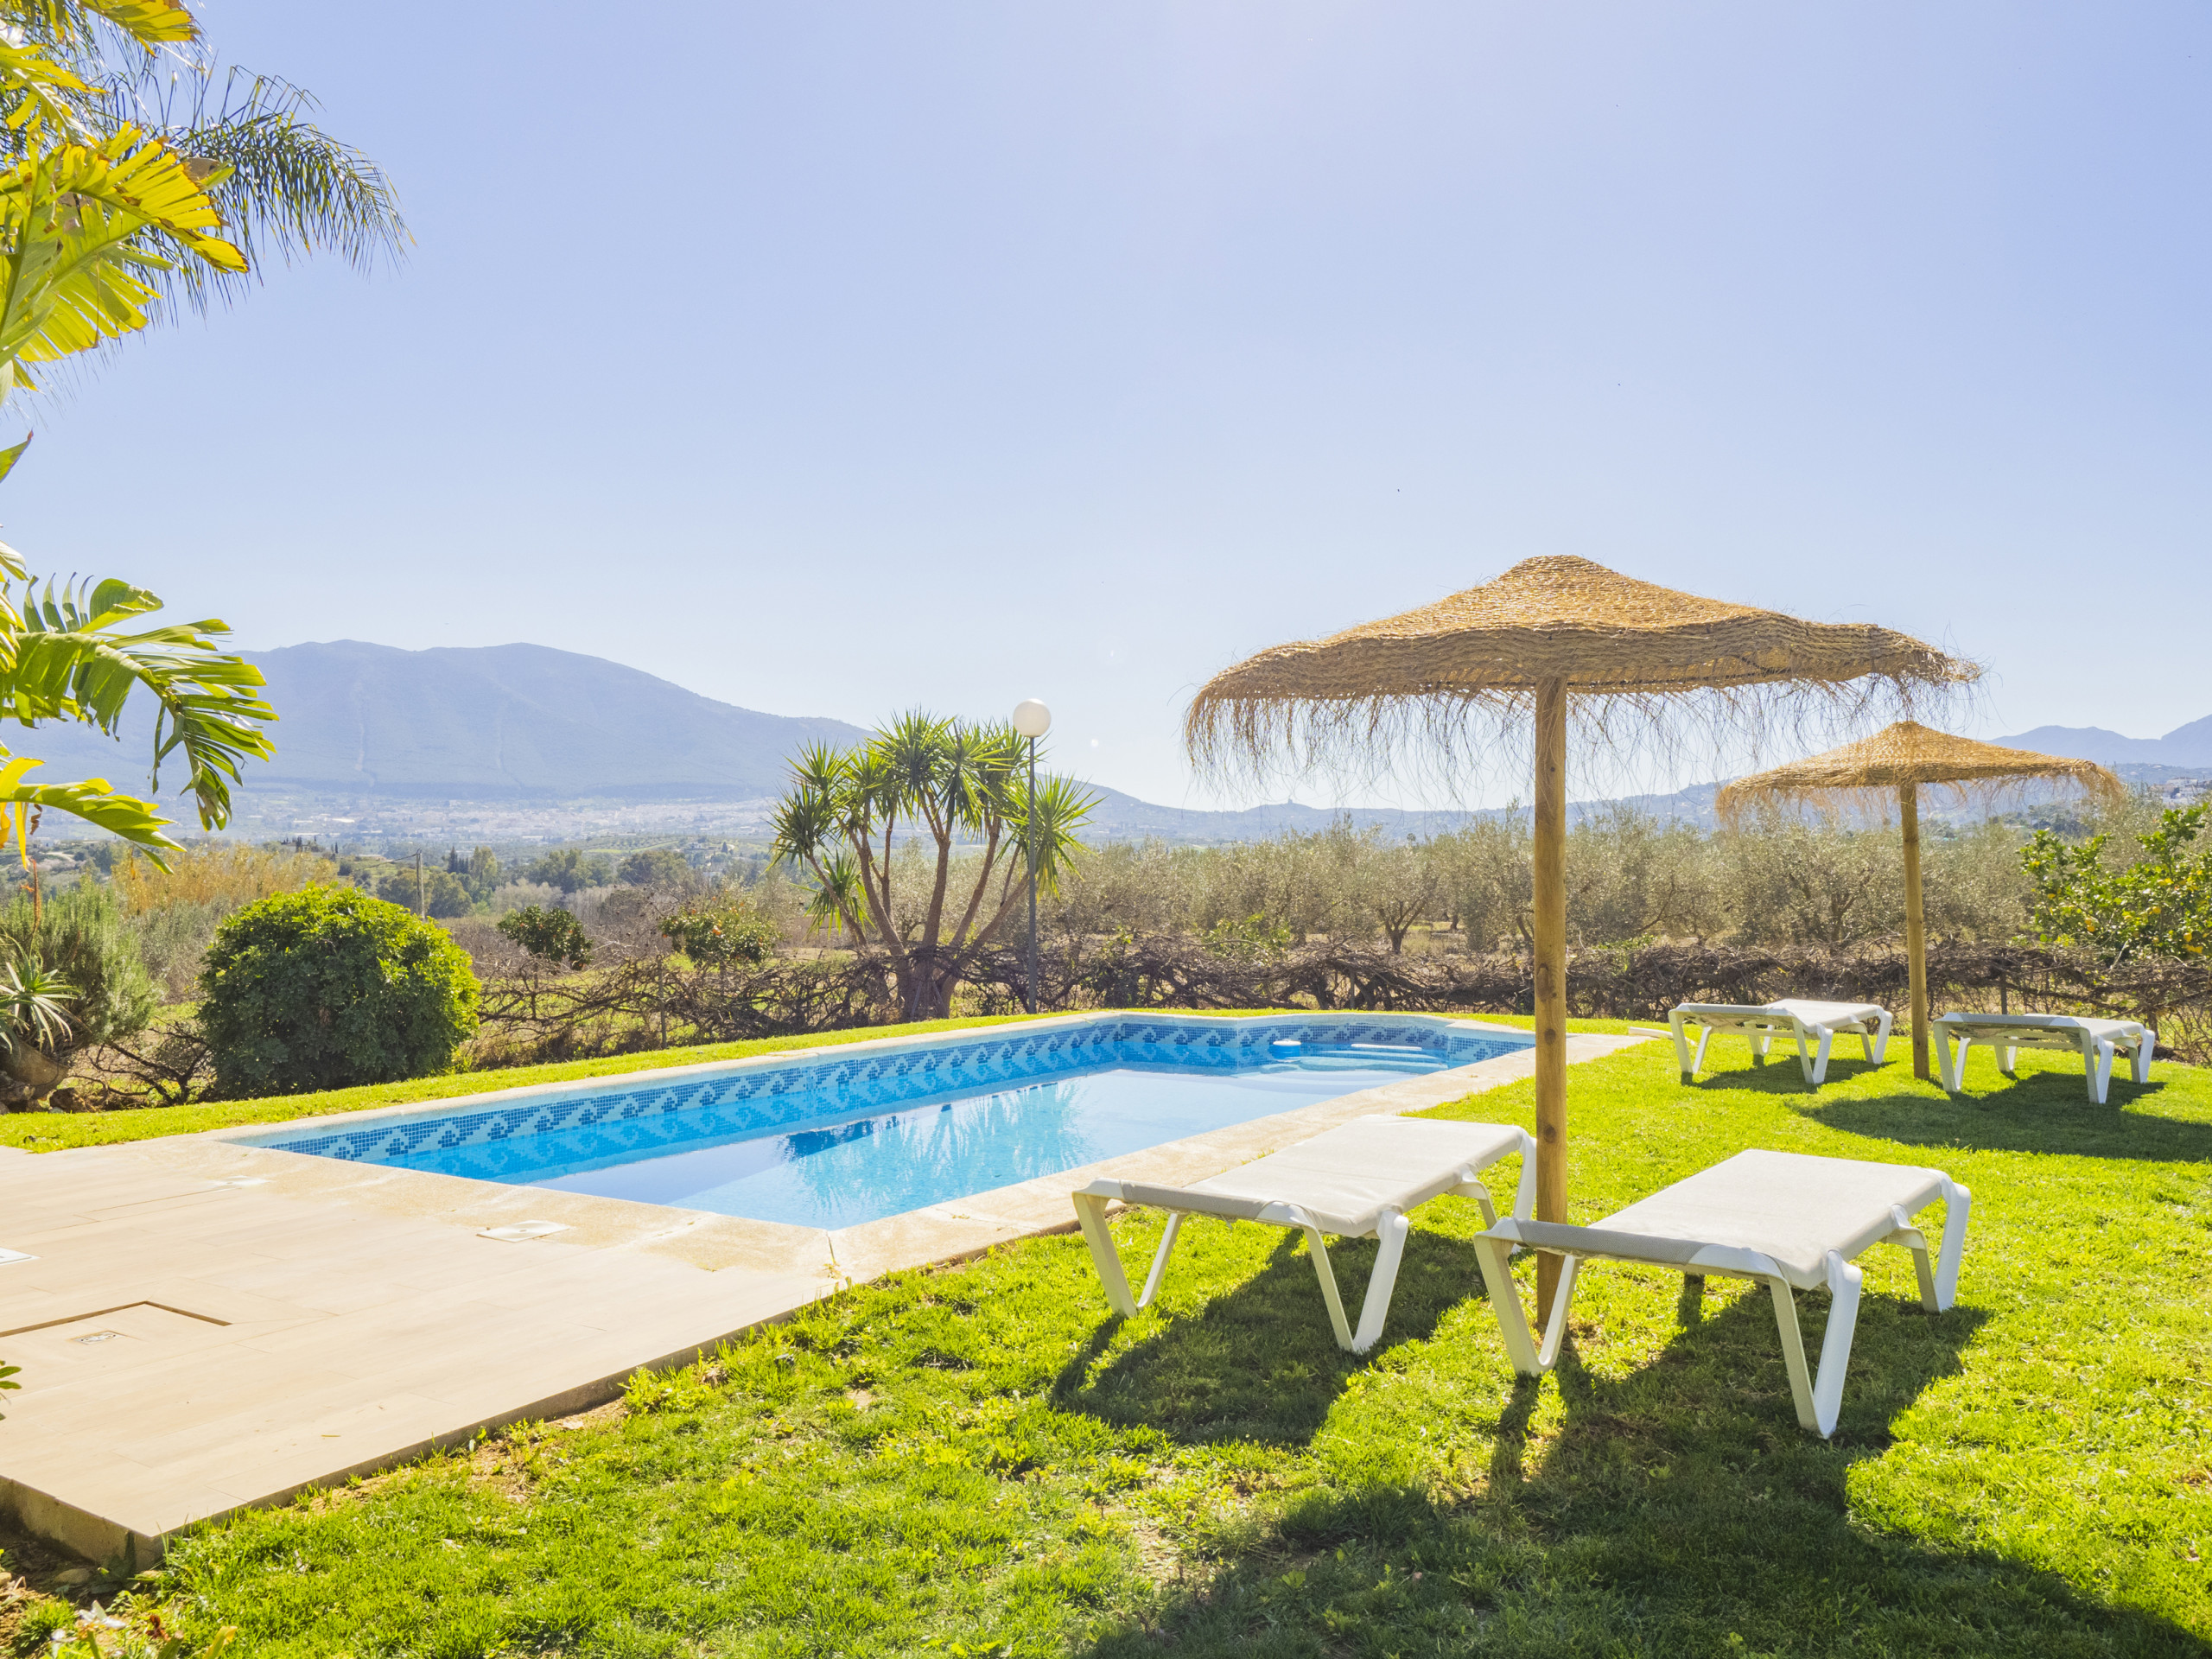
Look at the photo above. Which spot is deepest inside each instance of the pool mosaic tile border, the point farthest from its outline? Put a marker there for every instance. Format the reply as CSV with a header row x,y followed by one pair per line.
x,y
788,1092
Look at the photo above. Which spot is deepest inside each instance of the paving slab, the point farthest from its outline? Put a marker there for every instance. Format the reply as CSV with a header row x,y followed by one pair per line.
x,y
191,1345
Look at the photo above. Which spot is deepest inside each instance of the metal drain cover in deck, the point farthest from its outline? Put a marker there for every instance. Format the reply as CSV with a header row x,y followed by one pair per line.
x,y
106,1338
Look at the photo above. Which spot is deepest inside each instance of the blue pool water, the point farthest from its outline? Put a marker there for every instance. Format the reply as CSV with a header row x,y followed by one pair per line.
x,y
821,1139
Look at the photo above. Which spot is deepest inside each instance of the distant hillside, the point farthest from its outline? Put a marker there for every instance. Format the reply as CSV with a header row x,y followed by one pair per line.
x,y
485,723
1124,817
2184,748
512,740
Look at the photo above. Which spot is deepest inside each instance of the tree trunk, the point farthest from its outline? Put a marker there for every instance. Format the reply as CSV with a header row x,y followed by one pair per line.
x,y
939,983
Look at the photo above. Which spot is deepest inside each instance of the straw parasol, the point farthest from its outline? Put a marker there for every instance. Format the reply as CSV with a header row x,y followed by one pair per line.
x,y
1895,763
1547,632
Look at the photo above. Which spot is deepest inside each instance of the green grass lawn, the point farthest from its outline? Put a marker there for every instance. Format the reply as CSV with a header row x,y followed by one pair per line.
x,y
981,1460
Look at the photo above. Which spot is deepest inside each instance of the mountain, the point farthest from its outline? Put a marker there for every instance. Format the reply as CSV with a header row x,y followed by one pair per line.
x,y
1124,818
1117,816
382,741
483,723
2184,747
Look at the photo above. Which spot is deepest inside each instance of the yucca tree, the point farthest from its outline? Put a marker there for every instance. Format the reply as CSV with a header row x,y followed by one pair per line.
x,y
104,219
959,788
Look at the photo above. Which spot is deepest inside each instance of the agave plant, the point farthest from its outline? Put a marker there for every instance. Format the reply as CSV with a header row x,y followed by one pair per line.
x,y
32,1007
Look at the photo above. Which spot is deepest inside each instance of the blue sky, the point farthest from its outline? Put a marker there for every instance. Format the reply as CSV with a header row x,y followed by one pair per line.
x,y
835,359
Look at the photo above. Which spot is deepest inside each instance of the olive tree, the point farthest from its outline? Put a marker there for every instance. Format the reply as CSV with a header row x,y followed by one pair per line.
x,y
1400,887
1488,882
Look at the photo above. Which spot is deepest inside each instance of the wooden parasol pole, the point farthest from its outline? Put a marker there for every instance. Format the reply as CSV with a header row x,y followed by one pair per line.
x,y
1548,927
1915,939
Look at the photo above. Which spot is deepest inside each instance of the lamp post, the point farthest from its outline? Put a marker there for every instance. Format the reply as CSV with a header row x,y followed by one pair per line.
x,y
1033,720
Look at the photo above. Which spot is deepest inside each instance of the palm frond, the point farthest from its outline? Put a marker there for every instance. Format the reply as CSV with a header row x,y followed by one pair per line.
x,y
285,188
1062,806
72,663
72,217
93,799
90,24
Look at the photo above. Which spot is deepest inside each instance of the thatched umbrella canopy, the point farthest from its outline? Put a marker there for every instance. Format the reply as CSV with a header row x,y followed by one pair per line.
x,y
1547,632
1894,765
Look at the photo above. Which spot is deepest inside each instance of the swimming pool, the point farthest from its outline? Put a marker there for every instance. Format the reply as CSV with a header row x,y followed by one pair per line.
x,y
832,1139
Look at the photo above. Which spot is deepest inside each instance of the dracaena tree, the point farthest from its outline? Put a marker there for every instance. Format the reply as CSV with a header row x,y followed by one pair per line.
x,y
961,792
127,188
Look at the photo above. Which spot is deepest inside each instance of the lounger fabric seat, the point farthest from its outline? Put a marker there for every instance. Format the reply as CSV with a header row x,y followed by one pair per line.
x,y
1358,1180
1783,1219
2097,1041
1792,1017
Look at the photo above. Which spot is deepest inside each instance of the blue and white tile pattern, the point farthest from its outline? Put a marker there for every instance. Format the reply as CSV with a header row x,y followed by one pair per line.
x,y
641,1116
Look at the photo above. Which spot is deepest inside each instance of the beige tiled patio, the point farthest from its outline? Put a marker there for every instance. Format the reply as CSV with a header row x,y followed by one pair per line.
x,y
190,1345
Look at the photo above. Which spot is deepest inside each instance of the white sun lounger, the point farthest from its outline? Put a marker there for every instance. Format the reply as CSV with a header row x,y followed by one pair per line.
x,y
1763,1022
2097,1041
1785,1220
1357,1180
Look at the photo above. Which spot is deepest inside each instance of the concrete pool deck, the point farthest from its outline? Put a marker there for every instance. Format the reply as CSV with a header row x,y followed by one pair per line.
x,y
204,1326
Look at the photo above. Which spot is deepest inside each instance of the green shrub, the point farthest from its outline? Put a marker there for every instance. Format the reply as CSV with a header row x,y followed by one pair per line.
x,y
81,937
549,933
2159,906
721,935
329,988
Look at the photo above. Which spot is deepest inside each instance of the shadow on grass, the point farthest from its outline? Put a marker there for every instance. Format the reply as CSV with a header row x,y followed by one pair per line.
x,y
1260,1362
2040,1111
1780,1074
1676,1509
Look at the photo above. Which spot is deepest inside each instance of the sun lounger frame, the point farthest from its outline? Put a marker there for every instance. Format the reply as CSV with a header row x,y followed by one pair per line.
x,y
1818,1395
1389,1228
2099,1042
1790,1017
